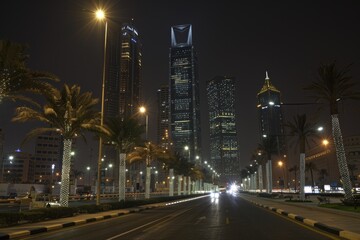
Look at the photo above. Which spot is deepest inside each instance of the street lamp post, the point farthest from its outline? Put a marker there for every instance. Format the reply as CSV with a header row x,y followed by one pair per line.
x,y
187,148
100,15
142,110
88,170
148,167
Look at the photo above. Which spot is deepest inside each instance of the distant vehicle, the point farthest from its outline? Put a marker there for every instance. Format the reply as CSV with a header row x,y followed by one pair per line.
x,y
44,201
214,194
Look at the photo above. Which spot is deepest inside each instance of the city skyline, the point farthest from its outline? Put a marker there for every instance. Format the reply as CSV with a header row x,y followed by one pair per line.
x,y
242,41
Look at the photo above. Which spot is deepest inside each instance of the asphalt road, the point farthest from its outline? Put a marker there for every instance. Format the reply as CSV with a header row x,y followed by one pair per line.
x,y
224,219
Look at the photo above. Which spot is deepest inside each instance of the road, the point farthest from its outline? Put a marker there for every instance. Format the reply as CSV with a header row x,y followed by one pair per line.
x,y
224,219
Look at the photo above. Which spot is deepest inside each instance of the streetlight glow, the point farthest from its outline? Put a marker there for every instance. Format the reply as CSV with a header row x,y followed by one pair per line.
x,y
100,14
142,109
325,142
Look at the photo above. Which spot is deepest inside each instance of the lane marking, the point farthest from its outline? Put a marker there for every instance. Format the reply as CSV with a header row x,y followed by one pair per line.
x,y
163,219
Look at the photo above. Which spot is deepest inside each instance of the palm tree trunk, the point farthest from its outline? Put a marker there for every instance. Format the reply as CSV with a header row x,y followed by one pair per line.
x,y
179,185
184,182
65,175
302,176
122,176
147,182
270,177
267,177
312,180
171,182
340,155
260,178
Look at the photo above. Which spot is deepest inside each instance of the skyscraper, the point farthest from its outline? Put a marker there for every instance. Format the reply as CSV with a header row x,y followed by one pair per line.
x,y
123,71
224,152
184,94
270,115
163,139
130,71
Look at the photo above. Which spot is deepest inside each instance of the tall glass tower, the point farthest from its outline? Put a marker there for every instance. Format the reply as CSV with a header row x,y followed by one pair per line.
x,y
130,71
163,117
123,71
224,152
184,94
271,117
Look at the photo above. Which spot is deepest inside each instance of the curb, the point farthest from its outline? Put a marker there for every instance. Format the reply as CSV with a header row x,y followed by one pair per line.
x,y
48,228
333,230
121,212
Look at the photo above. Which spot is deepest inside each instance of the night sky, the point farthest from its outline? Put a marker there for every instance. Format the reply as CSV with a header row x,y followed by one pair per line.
x,y
289,39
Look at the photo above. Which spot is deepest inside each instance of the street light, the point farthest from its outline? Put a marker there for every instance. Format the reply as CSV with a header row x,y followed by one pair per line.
x,y
142,110
187,149
88,170
100,15
281,164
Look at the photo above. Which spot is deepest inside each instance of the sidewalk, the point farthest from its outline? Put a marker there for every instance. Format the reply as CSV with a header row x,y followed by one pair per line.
x,y
40,227
342,223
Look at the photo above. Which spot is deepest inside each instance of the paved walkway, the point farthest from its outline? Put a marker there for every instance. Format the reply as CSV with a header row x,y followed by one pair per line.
x,y
348,222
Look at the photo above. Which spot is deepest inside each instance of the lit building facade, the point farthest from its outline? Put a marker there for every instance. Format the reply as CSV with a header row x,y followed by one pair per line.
x,y
163,138
130,71
184,94
122,71
18,167
270,116
224,152
48,158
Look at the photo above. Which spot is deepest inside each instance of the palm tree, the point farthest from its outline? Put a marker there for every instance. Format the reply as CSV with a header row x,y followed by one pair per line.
x,y
149,153
69,113
268,146
76,173
334,85
322,174
303,131
294,169
16,78
311,167
123,134
260,160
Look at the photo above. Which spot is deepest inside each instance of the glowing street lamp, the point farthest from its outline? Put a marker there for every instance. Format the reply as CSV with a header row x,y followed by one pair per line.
x,y
101,16
142,110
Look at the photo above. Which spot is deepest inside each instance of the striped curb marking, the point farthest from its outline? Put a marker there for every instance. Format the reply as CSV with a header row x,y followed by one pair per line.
x,y
333,230
83,221
68,224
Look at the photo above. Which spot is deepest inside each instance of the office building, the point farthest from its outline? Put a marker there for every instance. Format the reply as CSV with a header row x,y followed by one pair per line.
x,y
271,117
184,95
224,152
163,126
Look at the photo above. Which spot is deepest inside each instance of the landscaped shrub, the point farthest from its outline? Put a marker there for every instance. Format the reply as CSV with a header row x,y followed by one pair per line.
x,y
49,213
265,195
8,219
33,216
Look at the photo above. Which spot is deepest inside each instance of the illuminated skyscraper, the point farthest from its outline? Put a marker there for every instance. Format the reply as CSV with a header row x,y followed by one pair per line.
x,y
271,117
123,71
184,94
130,71
224,152
163,138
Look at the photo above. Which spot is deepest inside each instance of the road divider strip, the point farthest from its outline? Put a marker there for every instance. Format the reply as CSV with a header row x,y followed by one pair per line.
x,y
333,230
121,212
